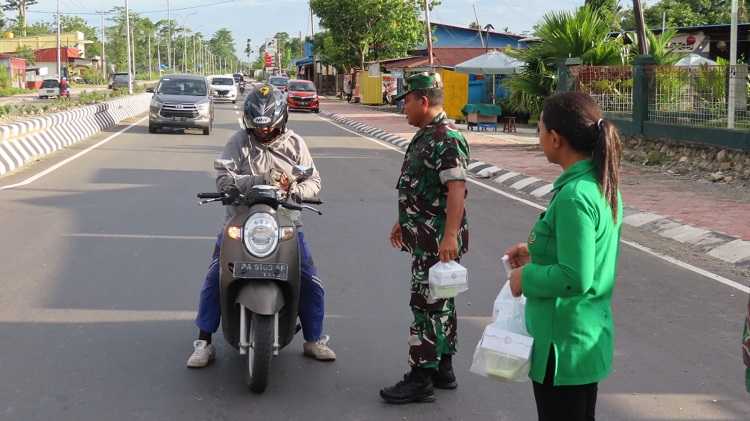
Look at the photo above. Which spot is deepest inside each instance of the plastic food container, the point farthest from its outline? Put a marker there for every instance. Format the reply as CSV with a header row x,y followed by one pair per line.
x,y
503,355
447,280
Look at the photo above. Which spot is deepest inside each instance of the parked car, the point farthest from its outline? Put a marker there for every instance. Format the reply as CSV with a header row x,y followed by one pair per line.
x,y
280,82
181,101
50,88
224,88
119,81
302,96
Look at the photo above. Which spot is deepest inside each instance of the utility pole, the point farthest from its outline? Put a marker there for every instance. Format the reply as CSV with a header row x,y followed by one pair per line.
x,y
429,32
312,23
150,67
479,27
103,61
169,42
59,66
733,68
158,54
130,63
195,63
184,50
640,28
132,50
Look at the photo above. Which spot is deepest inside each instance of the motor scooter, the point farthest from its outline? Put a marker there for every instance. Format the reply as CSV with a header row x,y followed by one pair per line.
x,y
260,271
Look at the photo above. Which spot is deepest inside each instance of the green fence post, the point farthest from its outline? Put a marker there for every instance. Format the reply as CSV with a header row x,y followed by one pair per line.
x,y
644,79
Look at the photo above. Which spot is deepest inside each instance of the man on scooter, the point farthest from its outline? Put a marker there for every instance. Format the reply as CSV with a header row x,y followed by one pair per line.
x,y
265,153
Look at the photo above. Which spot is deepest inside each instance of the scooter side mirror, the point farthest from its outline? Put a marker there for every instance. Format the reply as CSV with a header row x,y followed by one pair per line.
x,y
225,164
301,172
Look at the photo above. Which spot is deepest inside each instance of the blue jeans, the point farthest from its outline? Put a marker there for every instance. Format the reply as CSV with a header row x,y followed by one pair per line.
x,y
312,295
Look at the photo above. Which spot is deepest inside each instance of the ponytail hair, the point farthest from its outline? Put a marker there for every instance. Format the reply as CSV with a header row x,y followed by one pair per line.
x,y
578,118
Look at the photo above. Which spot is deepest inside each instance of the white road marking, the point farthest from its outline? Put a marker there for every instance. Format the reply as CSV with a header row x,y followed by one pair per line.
x,y
635,245
72,158
142,236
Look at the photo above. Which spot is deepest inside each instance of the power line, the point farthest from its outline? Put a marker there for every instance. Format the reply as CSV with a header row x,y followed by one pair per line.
x,y
147,12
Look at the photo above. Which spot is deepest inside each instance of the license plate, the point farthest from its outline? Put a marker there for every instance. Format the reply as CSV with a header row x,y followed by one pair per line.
x,y
178,118
278,271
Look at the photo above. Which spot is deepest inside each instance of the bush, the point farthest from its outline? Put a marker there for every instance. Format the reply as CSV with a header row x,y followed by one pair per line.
x,y
93,77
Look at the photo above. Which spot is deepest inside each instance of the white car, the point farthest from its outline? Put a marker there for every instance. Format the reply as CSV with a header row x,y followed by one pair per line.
x,y
224,88
50,88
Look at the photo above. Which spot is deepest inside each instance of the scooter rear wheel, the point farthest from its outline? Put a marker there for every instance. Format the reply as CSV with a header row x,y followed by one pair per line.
x,y
260,352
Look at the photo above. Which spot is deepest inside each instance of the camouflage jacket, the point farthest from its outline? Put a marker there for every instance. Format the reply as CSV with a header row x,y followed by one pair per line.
x,y
436,155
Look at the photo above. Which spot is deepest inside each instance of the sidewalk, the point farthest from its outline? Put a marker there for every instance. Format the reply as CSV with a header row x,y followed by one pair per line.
x,y
709,216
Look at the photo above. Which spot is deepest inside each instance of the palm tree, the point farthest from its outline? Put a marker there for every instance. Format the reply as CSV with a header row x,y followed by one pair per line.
x,y
584,34
659,47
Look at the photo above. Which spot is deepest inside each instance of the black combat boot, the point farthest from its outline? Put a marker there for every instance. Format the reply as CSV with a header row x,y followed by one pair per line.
x,y
416,387
443,378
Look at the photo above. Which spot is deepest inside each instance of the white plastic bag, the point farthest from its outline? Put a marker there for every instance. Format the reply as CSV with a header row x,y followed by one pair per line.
x,y
504,351
447,280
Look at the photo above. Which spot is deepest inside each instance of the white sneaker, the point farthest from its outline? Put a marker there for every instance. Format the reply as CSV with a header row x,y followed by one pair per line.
x,y
319,350
203,354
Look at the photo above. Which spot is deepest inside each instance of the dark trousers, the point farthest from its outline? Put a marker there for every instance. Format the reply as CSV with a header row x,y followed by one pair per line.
x,y
564,403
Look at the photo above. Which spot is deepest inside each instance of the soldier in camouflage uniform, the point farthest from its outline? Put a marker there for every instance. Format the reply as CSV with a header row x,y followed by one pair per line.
x,y
431,227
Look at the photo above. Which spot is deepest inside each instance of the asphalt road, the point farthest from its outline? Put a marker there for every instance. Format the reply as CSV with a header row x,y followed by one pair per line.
x,y
101,262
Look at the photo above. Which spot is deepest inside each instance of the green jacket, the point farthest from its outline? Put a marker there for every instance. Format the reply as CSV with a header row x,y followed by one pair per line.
x,y
574,248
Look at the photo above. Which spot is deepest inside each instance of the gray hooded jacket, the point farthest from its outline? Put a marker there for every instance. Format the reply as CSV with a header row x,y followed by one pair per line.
x,y
255,161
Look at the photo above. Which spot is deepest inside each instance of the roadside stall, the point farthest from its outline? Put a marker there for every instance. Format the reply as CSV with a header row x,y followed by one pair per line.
x,y
492,63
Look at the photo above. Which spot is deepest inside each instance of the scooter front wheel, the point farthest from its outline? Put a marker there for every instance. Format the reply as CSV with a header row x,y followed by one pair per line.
x,y
259,353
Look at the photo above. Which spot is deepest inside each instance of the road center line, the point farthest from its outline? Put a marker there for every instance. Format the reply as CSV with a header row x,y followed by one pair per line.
x,y
633,244
72,158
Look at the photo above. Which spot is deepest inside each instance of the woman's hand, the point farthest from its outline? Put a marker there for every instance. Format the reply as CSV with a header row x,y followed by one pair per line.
x,y
516,282
518,255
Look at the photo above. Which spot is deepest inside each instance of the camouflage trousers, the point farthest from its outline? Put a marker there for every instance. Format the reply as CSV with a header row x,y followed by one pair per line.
x,y
432,334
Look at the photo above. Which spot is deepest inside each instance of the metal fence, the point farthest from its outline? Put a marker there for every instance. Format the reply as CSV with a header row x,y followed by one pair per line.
x,y
696,97
610,86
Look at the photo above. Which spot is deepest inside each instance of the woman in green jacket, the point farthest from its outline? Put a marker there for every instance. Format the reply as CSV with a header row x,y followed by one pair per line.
x,y
567,269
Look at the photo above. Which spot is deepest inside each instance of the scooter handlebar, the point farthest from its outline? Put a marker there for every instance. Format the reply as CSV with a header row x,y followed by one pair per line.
x,y
210,195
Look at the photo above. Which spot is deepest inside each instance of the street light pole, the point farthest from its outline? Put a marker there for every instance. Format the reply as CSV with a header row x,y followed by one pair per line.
x,y
150,67
732,68
184,50
59,66
130,62
158,54
195,63
103,61
132,40
169,41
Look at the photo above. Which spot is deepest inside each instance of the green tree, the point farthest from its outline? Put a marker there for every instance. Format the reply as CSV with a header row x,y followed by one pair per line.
x,y
38,28
222,45
681,13
78,24
584,33
371,29
659,47
21,7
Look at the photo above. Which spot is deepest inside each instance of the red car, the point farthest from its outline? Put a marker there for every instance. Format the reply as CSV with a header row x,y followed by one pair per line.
x,y
302,95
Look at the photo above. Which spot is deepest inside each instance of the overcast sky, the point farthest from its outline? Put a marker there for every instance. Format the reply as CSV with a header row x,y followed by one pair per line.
x,y
260,19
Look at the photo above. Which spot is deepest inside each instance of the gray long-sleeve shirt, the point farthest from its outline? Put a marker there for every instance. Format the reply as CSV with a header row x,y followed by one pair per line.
x,y
255,160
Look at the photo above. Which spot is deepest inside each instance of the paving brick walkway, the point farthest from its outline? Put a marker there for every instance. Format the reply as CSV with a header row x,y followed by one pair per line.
x,y
694,203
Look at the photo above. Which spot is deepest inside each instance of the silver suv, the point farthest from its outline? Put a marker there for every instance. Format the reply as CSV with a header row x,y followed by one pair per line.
x,y
181,101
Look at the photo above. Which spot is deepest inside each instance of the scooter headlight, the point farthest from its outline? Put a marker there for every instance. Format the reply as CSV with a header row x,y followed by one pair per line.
x,y
261,234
